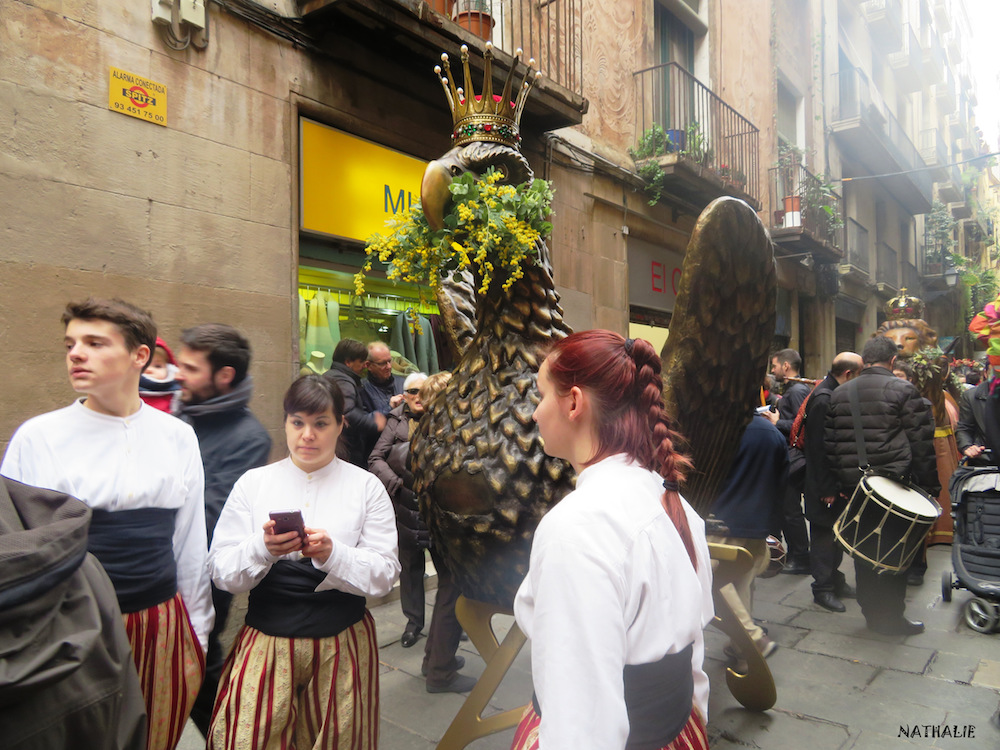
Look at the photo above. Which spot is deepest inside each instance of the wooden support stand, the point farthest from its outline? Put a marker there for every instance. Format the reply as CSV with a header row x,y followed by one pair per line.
x,y
469,724
754,690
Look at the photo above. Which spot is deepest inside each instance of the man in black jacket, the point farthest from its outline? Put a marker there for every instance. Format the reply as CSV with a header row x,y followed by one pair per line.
x,y
215,393
364,424
898,435
785,366
823,500
971,431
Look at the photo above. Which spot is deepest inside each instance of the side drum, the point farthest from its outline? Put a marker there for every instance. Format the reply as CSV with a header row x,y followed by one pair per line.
x,y
885,523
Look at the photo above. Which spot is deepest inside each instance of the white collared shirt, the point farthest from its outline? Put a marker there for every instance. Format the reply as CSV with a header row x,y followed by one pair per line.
x,y
145,460
609,583
350,504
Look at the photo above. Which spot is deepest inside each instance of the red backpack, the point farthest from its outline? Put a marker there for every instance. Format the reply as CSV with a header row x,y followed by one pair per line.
x,y
797,435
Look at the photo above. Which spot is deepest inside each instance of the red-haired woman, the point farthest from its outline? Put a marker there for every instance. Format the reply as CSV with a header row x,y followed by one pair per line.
x,y
619,586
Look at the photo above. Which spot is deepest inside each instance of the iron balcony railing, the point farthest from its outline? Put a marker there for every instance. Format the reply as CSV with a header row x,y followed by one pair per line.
x,y
932,148
934,61
887,270
800,198
884,18
933,255
857,245
911,278
696,123
550,31
859,99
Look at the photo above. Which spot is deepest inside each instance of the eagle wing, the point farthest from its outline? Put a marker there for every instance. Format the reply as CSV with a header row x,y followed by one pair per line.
x,y
720,337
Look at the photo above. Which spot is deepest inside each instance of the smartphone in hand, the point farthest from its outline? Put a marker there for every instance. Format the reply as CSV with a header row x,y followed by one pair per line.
x,y
288,520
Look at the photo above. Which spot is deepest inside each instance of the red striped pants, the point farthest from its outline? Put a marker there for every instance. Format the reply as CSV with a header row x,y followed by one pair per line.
x,y
171,666
319,693
692,737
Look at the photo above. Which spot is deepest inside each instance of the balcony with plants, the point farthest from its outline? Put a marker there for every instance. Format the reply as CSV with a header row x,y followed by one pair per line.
x,y
807,215
415,33
691,145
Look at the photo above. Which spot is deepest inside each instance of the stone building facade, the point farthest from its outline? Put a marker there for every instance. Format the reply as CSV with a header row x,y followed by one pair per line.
x,y
228,211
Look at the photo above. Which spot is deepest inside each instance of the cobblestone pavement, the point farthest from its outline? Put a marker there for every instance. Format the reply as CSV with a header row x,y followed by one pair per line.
x,y
840,687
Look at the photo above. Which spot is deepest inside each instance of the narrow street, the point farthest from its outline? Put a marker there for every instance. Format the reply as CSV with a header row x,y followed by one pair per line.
x,y
840,687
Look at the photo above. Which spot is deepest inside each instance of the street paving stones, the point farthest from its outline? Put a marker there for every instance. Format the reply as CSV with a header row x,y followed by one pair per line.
x,y
840,687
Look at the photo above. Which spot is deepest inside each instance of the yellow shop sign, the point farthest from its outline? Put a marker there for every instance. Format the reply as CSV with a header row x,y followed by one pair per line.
x,y
137,97
351,186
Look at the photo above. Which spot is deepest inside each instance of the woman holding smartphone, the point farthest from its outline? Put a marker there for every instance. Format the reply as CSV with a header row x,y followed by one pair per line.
x,y
304,669
619,583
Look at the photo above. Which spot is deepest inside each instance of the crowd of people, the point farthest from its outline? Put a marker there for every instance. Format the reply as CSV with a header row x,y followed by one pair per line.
x,y
869,415
160,471
176,500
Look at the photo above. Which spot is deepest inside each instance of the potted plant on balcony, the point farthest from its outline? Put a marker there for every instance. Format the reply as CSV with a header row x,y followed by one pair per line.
x,y
696,145
819,209
789,162
476,16
653,143
443,7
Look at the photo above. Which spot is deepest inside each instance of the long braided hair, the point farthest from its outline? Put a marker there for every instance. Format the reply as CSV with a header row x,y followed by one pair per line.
x,y
622,378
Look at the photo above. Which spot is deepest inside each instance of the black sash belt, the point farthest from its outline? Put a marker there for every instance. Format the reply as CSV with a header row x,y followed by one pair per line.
x,y
658,698
285,604
136,548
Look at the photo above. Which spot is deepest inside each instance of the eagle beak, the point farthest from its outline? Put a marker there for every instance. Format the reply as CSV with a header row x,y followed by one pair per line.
x,y
434,193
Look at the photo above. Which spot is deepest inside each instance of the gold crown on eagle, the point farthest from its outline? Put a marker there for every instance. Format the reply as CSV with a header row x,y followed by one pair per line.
x,y
904,307
486,117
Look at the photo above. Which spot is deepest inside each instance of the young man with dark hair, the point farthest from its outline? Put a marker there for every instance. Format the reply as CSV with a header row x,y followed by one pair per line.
x,y
216,388
140,472
785,366
364,424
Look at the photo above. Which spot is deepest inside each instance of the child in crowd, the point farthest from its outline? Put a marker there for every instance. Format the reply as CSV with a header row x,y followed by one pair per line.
x,y
158,386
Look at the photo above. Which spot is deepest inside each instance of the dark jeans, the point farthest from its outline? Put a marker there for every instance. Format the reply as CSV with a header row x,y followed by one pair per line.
x,y
411,582
882,597
215,659
445,631
793,526
825,556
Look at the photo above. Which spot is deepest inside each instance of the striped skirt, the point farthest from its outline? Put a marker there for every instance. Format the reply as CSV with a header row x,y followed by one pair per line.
x,y
692,737
171,666
319,693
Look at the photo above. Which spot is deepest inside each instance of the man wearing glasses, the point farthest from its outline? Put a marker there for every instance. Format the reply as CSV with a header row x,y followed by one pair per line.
x,y
383,388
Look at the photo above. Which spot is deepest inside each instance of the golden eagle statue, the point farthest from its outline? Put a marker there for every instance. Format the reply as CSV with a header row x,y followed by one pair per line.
x,y
479,470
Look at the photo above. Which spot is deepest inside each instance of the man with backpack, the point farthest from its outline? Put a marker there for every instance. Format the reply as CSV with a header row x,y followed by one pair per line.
x,y
823,501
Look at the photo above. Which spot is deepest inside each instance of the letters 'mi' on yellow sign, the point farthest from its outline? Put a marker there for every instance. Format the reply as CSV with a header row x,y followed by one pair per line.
x,y
350,186
137,96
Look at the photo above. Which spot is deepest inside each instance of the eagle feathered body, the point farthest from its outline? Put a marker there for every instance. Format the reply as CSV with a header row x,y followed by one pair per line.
x,y
479,470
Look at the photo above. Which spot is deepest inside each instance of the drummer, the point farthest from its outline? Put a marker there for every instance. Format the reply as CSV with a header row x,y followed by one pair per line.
x,y
898,438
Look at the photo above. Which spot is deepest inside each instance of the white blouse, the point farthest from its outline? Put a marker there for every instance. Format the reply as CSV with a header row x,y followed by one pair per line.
x,y
609,583
146,460
350,504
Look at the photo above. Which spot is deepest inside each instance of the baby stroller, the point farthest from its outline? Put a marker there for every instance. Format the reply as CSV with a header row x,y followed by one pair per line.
x,y
975,550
